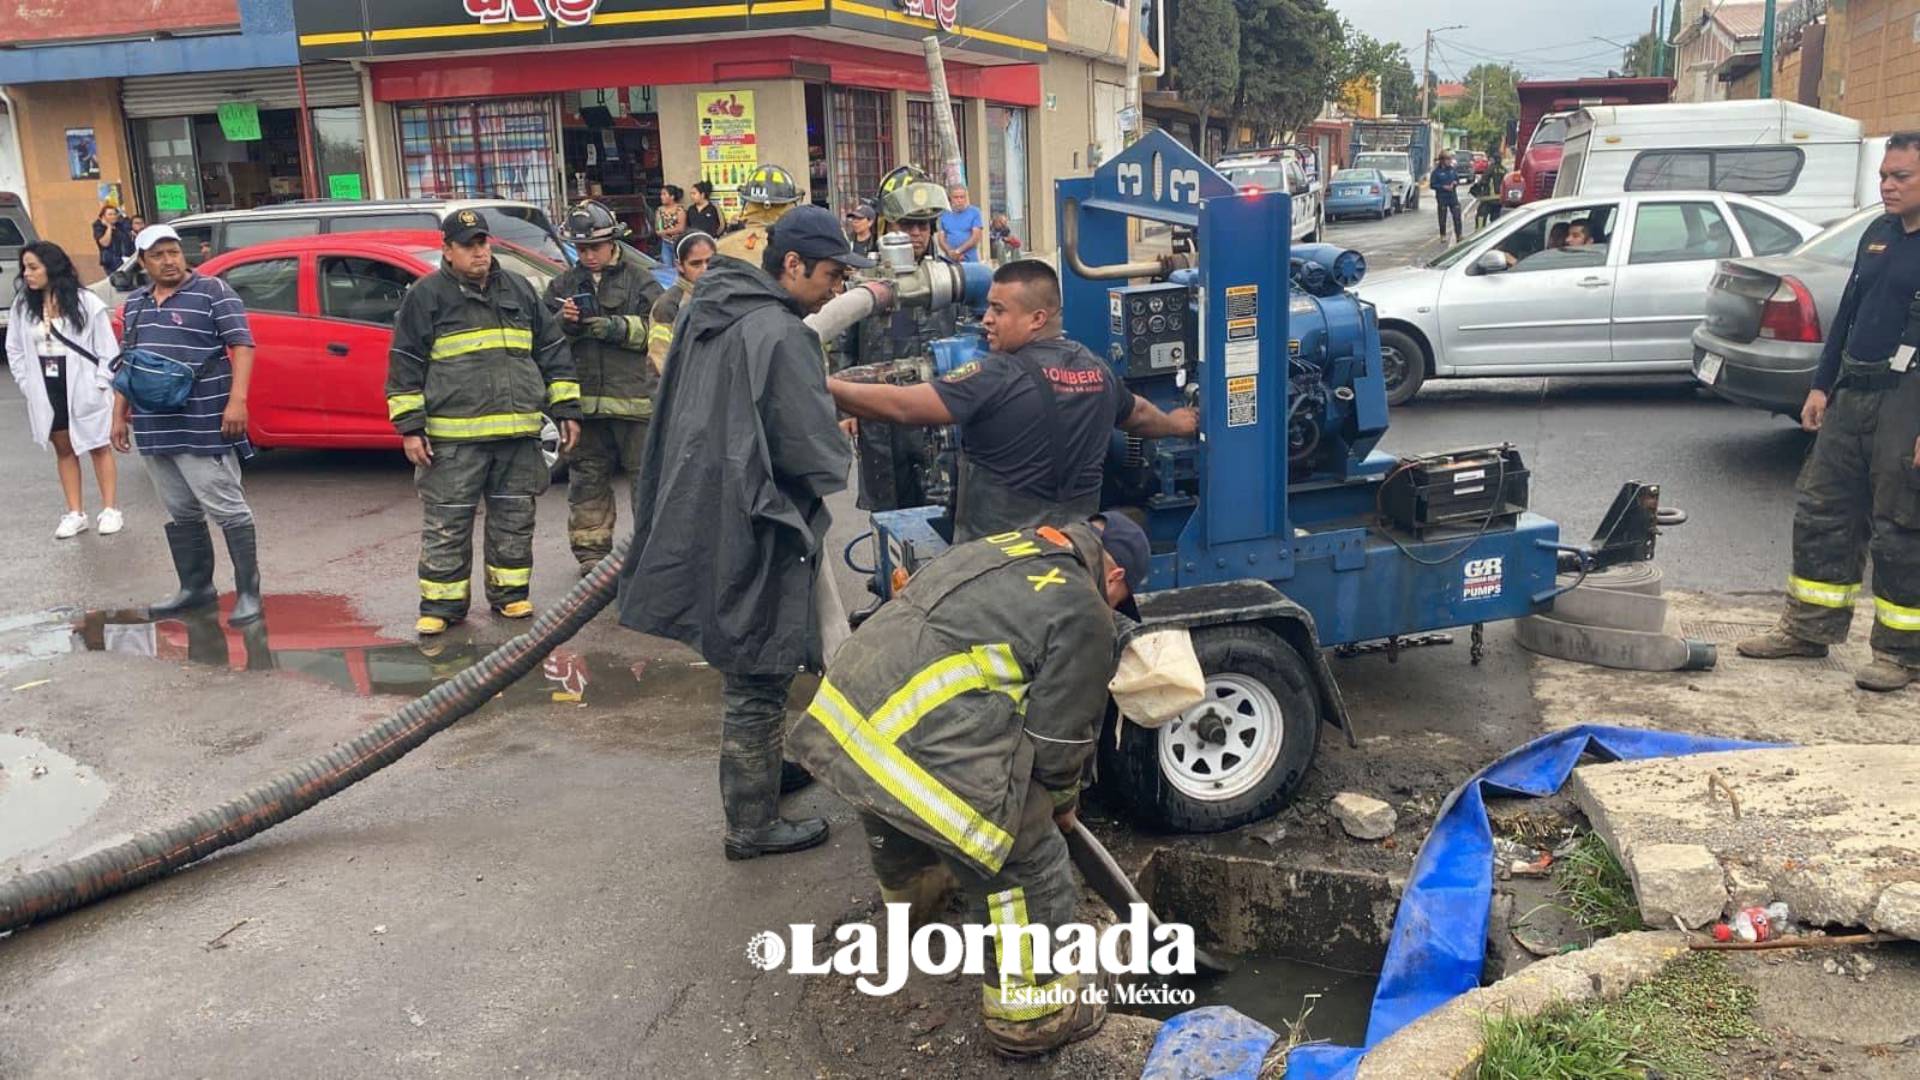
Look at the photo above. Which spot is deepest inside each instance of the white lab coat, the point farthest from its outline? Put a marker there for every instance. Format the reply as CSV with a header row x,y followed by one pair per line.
x,y
89,385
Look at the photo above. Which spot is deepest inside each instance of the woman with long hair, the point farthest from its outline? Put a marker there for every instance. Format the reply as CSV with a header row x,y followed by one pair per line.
x,y
59,343
113,235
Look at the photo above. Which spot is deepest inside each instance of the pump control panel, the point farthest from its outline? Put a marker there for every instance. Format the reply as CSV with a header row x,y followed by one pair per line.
x,y
1152,330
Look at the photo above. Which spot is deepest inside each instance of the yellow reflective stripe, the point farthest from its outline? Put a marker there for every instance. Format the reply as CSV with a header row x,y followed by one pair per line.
x,y
497,425
560,390
984,667
399,405
448,346
1822,593
1014,997
929,800
595,405
508,577
661,333
443,590
1895,617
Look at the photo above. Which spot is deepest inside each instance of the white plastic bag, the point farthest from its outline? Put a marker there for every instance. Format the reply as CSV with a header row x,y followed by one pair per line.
x,y
1158,677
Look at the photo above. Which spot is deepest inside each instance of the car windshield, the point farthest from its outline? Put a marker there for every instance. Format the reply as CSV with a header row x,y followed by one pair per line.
x,y
1383,162
1265,177
1840,242
1551,132
1353,176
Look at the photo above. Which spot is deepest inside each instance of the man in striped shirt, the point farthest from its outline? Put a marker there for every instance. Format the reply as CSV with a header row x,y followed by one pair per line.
x,y
193,455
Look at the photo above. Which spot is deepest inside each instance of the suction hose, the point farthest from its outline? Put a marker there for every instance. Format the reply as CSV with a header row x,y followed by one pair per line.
x,y
45,893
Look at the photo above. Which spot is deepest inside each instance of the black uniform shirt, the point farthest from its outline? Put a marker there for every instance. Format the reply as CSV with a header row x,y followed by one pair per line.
x,y
1873,311
1003,420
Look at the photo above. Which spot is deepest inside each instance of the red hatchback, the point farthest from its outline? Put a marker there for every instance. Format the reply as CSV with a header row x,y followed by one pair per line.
x,y
322,309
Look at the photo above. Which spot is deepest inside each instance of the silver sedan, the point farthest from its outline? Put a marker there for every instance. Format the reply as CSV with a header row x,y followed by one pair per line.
x,y
1588,285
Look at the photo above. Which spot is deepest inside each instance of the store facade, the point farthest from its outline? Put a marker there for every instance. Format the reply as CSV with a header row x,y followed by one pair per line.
x,y
555,100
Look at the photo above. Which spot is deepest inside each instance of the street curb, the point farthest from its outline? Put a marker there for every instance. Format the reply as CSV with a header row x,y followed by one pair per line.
x,y
1445,1044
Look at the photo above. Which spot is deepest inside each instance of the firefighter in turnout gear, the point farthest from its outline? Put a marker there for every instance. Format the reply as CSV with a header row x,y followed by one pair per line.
x,y
690,256
602,303
477,360
766,197
959,720
1859,492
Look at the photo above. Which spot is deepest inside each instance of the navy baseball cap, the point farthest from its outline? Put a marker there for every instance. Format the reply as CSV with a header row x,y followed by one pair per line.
x,y
811,232
1128,546
461,226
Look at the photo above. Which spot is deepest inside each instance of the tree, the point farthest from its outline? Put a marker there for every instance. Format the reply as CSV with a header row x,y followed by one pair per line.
x,y
1642,56
1207,36
1400,89
1292,54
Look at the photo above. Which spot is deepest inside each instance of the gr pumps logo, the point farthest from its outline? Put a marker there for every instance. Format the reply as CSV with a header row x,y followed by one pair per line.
x,y
1482,579
564,12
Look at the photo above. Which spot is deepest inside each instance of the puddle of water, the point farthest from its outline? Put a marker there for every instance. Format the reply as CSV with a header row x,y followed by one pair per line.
x,y
1276,991
44,795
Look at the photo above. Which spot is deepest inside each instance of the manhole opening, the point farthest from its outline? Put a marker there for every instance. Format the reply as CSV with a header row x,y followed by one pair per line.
x,y
1305,942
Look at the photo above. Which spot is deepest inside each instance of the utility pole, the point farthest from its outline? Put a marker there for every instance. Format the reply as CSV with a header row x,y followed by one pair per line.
x,y
1660,38
1766,53
1136,10
1426,66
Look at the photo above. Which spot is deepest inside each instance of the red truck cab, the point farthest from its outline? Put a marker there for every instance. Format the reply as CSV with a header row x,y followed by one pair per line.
x,y
1545,107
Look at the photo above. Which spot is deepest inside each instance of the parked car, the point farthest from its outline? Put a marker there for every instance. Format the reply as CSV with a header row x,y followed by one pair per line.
x,y
1513,300
1279,170
322,309
1403,188
16,232
1768,317
1358,193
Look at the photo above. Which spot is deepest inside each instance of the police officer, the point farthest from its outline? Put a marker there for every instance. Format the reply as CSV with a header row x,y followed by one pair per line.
x,y
476,360
602,303
1860,489
1445,182
1035,415
959,720
691,256
765,198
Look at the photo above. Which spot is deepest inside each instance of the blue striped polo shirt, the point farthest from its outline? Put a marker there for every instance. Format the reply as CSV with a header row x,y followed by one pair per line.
x,y
196,326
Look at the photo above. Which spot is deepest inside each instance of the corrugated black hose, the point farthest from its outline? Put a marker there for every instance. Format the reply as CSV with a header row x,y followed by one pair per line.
x,y
45,893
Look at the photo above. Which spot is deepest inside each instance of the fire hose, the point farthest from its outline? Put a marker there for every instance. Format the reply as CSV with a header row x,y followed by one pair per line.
x,y
43,894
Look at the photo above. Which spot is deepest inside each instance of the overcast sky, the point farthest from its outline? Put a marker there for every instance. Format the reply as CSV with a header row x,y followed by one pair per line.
x,y
1541,37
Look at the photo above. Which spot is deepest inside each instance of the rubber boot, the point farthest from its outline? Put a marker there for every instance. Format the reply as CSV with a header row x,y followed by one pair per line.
x,y
793,777
1884,675
242,548
1023,1039
192,548
1777,644
750,787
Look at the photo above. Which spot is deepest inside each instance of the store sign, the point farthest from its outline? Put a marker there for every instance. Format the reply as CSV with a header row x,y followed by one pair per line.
x,y
564,12
729,144
944,12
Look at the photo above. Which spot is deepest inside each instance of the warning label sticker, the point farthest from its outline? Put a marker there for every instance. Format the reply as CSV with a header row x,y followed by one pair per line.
x,y
1243,301
1243,357
1242,329
1243,401
1480,578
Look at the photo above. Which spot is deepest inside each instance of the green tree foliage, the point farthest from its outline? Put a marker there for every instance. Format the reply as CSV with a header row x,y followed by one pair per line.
x,y
1642,56
1400,89
1207,35
1292,56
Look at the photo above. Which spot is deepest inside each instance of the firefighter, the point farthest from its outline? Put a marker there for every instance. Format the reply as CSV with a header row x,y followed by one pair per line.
x,y
476,360
602,303
1859,492
910,203
959,721
690,256
766,197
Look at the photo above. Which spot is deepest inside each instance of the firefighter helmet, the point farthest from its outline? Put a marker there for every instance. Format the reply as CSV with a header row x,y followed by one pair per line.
x,y
900,177
770,185
590,222
922,200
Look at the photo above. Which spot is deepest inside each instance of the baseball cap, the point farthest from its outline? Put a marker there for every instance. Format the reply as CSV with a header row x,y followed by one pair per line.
x,y
1127,543
862,210
152,235
812,233
461,226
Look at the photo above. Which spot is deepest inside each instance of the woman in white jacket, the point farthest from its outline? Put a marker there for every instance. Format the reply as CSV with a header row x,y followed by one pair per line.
x,y
59,343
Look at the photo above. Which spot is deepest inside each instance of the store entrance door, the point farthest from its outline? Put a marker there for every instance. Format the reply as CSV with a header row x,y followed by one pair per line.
x,y
819,161
243,174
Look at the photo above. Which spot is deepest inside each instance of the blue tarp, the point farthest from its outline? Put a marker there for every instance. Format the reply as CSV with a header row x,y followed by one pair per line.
x,y
1440,931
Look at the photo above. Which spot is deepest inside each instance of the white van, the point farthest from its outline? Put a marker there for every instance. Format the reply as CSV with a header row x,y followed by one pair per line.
x,y
1796,157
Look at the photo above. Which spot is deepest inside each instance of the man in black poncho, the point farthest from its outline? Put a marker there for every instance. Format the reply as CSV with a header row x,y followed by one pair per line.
x,y
730,505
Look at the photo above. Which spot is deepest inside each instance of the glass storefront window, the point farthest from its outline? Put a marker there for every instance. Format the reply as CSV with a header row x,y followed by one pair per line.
x,y
340,154
923,137
501,148
1007,167
173,180
862,142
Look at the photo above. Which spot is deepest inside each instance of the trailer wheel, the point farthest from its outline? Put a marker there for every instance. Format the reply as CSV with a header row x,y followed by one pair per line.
x,y
1238,756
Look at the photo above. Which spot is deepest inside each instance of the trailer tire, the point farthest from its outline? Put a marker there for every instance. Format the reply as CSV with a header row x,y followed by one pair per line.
x,y
1171,778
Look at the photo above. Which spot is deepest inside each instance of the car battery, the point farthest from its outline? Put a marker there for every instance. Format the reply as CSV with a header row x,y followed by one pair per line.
x,y
1460,489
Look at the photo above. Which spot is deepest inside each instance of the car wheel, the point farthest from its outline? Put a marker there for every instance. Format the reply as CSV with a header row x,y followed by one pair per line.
x,y
1237,757
556,462
1403,365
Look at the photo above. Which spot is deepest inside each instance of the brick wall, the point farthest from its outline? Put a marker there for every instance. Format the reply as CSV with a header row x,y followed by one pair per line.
x,y
1874,46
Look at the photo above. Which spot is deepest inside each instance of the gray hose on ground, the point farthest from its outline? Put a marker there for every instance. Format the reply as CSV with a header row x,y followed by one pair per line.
x,y
43,894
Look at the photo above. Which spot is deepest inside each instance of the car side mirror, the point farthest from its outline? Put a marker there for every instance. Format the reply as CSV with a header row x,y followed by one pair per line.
x,y
1492,262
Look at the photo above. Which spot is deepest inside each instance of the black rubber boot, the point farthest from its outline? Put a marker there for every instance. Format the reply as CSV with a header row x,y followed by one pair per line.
x,y
750,787
242,548
192,548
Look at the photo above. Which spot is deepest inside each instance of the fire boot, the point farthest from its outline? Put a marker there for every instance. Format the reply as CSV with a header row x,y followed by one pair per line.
x,y
1884,675
750,788
1778,644
242,548
192,547
793,777
1023,1039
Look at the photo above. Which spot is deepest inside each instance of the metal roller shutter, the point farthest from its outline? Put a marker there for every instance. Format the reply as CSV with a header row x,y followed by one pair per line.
x,y
271,88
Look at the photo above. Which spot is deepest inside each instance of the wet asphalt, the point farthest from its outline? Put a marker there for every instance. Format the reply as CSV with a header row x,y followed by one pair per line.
x,y
540,890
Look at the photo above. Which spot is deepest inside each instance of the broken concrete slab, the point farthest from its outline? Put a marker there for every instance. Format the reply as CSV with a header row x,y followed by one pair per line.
x,y
1898,910
1677,881
1828,829
1363,816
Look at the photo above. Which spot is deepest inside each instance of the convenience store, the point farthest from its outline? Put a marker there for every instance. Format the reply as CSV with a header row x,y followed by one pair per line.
x,y
616,98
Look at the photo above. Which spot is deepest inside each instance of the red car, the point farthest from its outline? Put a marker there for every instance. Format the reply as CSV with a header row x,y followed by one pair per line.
x,y
322,310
